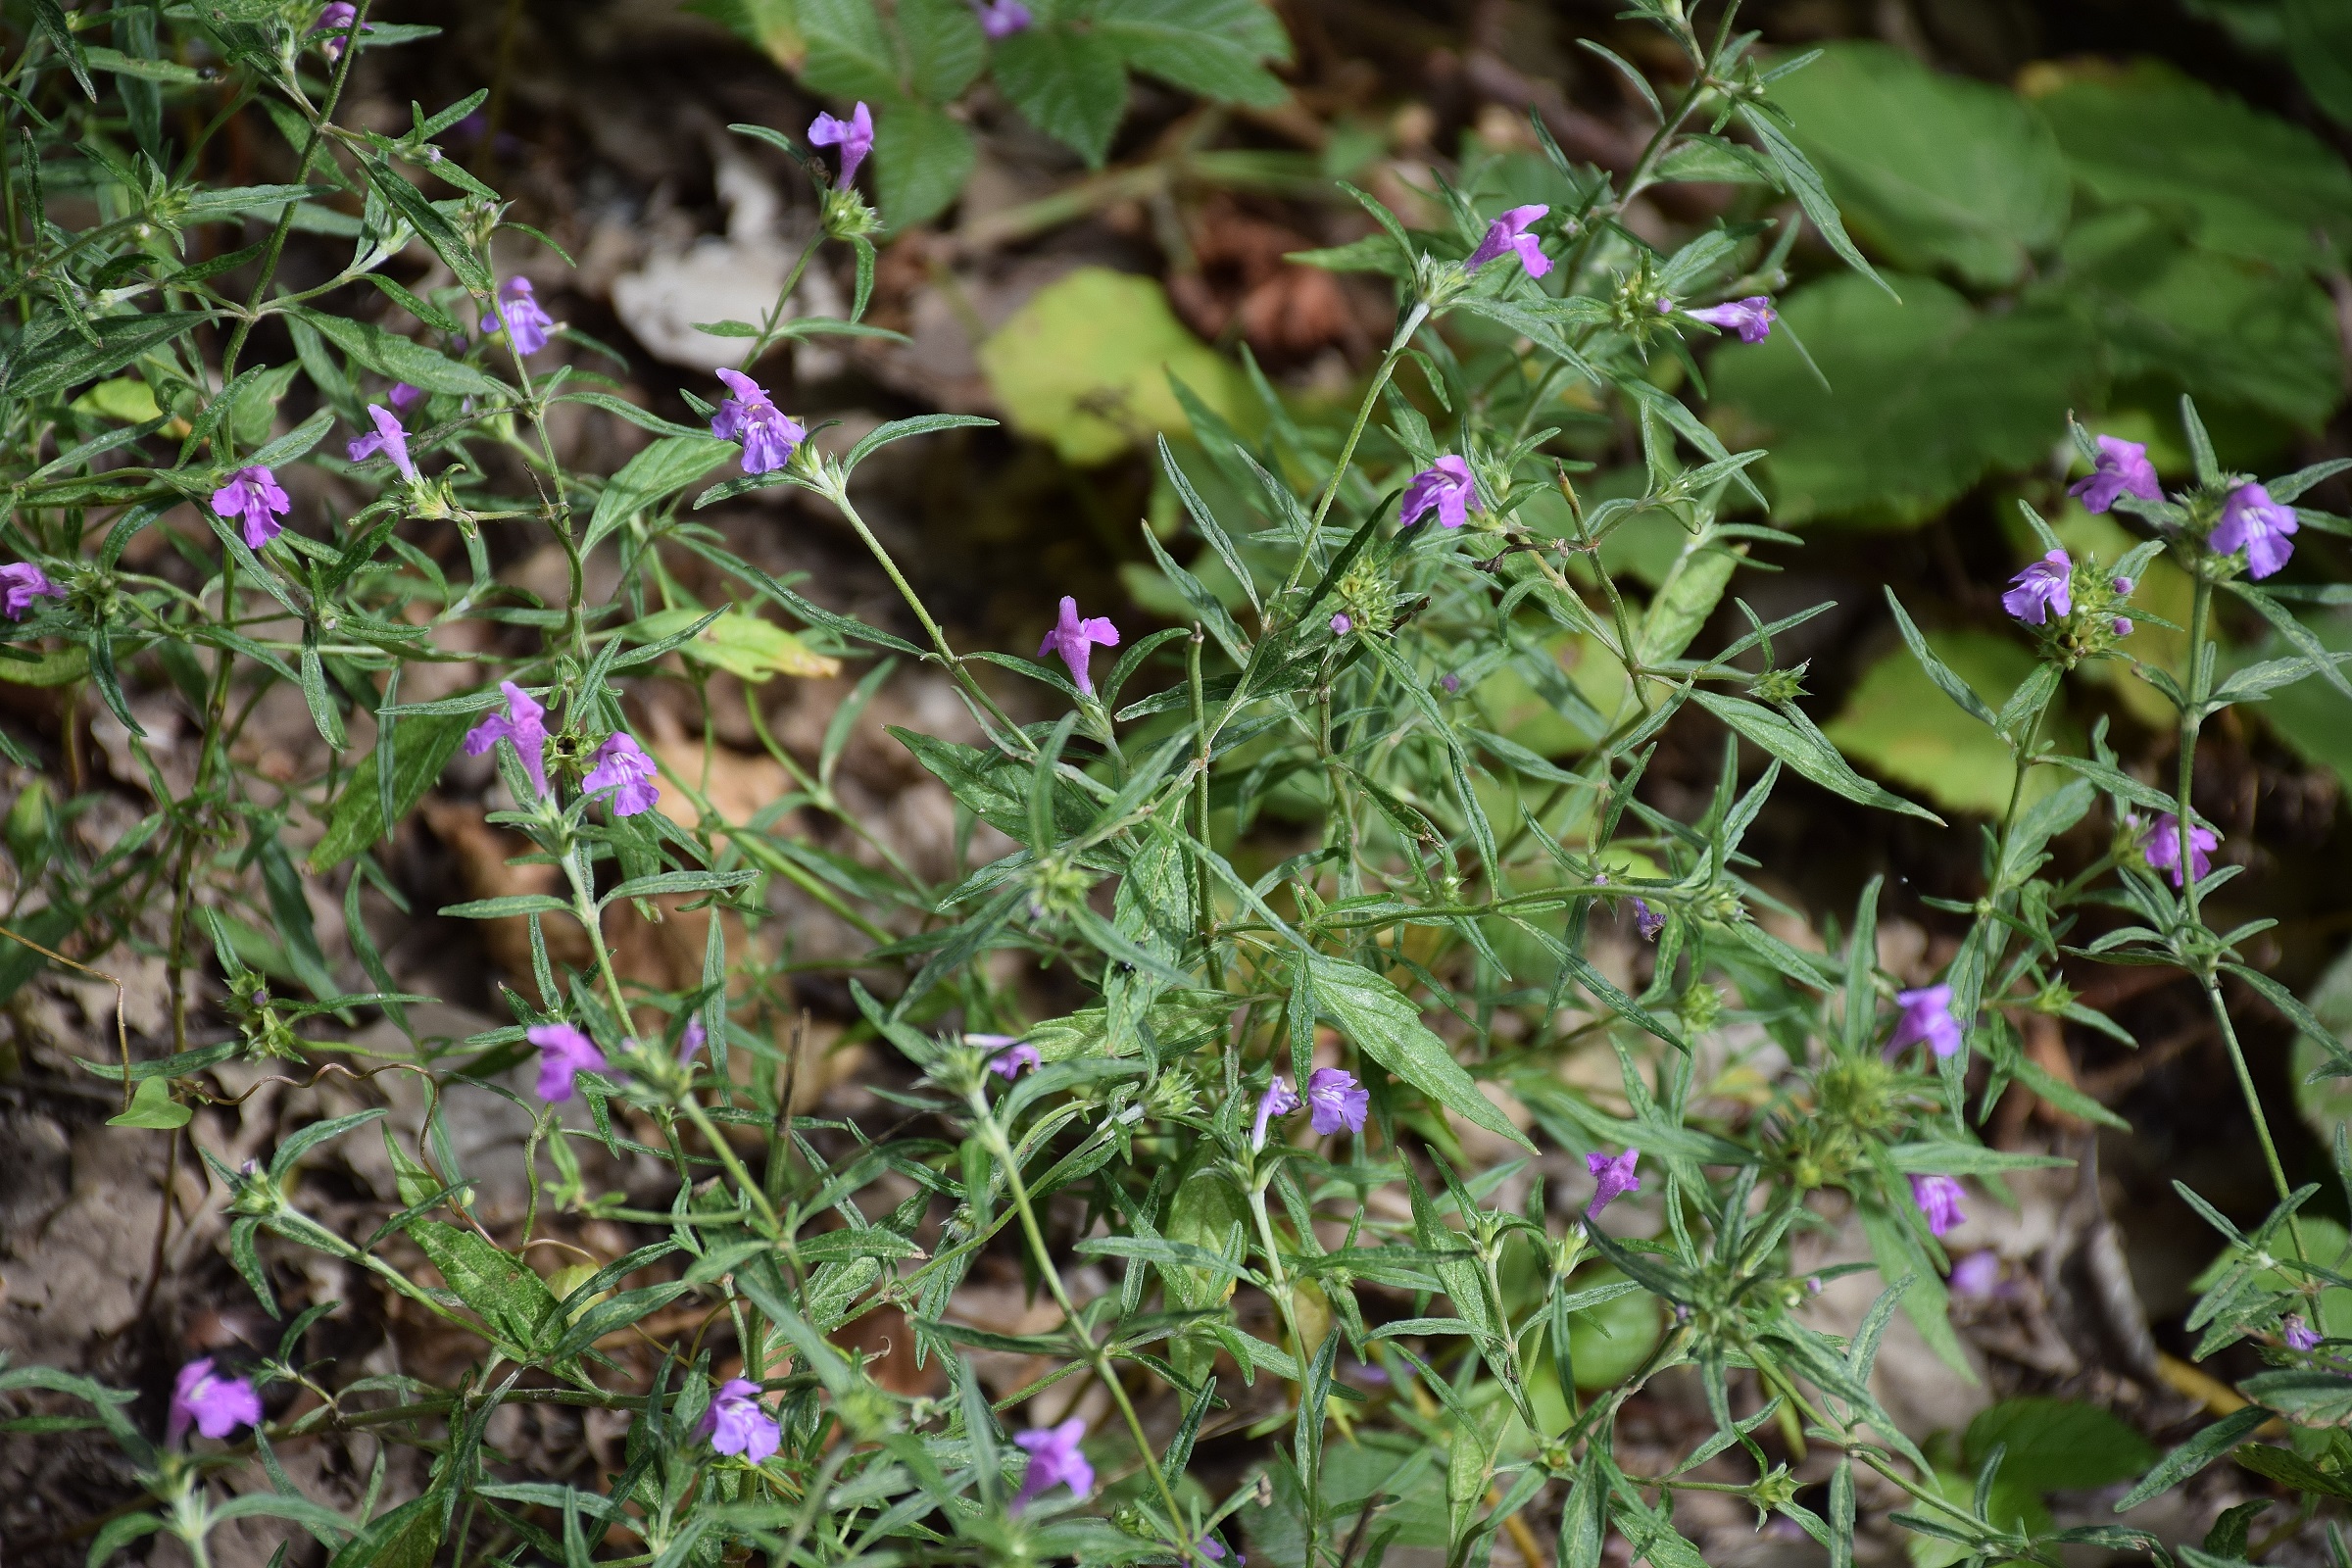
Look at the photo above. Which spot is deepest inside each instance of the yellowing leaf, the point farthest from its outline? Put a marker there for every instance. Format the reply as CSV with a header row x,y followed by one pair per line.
x,y
1085,365
126,398
738,643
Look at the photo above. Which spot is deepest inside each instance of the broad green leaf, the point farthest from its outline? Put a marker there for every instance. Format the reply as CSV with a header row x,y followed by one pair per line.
x,y
1085,365
2231,329
1897,722
1694,585
650,478
2058,1444
1209,47
2325,1101
152,1106
2318,41
408,1536
2195,1454
921,157
1930,169
738,642
943,47
849,55
127,400
421,747
1806,750
1925,396
773,25
514,1302
1387,1027
1069,84
401,359
2310,1399
67,359
2311,716
2244,182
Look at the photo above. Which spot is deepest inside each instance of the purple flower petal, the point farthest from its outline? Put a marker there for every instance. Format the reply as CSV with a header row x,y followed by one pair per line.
x,y
854,137
1939,1197
1335,1101
1055,1460
622,766
20,583
2121,469
2163,851
768,435
2255,523
735,1422
1750,317
1614,1177
1445,485
2047,585
523,724
1074,640
1927,1015
253,496
217,1405
564,1053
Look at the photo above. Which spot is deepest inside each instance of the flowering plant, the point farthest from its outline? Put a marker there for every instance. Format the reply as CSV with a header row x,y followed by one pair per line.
x,y
1460,1250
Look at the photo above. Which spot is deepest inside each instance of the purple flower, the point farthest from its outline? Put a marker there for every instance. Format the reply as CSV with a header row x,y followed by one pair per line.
x,y
1978,1275
2299,1335
1279,1100
2121,626
1001,19
20,583
519,312
1008,1062
736,1424
2121,468
2255,523
1073,641
1616,1178
854,137
1335,1101
1750,317
1509,234
404,397
1649,921
768,433
335,20
622,766
564,1053
690,1044
1450,681
389,439
1341,625
1927,1015
1939,1197
253,494
2045,585
217,1405
2122,585
2162,852
1447,485
1054,1457
523,724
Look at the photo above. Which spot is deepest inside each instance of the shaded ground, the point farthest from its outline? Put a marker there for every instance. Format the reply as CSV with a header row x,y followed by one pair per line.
x,y
609,127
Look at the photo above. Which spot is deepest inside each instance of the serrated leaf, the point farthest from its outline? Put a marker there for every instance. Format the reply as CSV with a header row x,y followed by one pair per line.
x,y
1073,86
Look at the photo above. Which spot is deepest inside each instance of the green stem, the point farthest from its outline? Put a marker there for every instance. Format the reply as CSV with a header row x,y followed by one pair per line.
x,y
2200,681
838,493
999,1147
